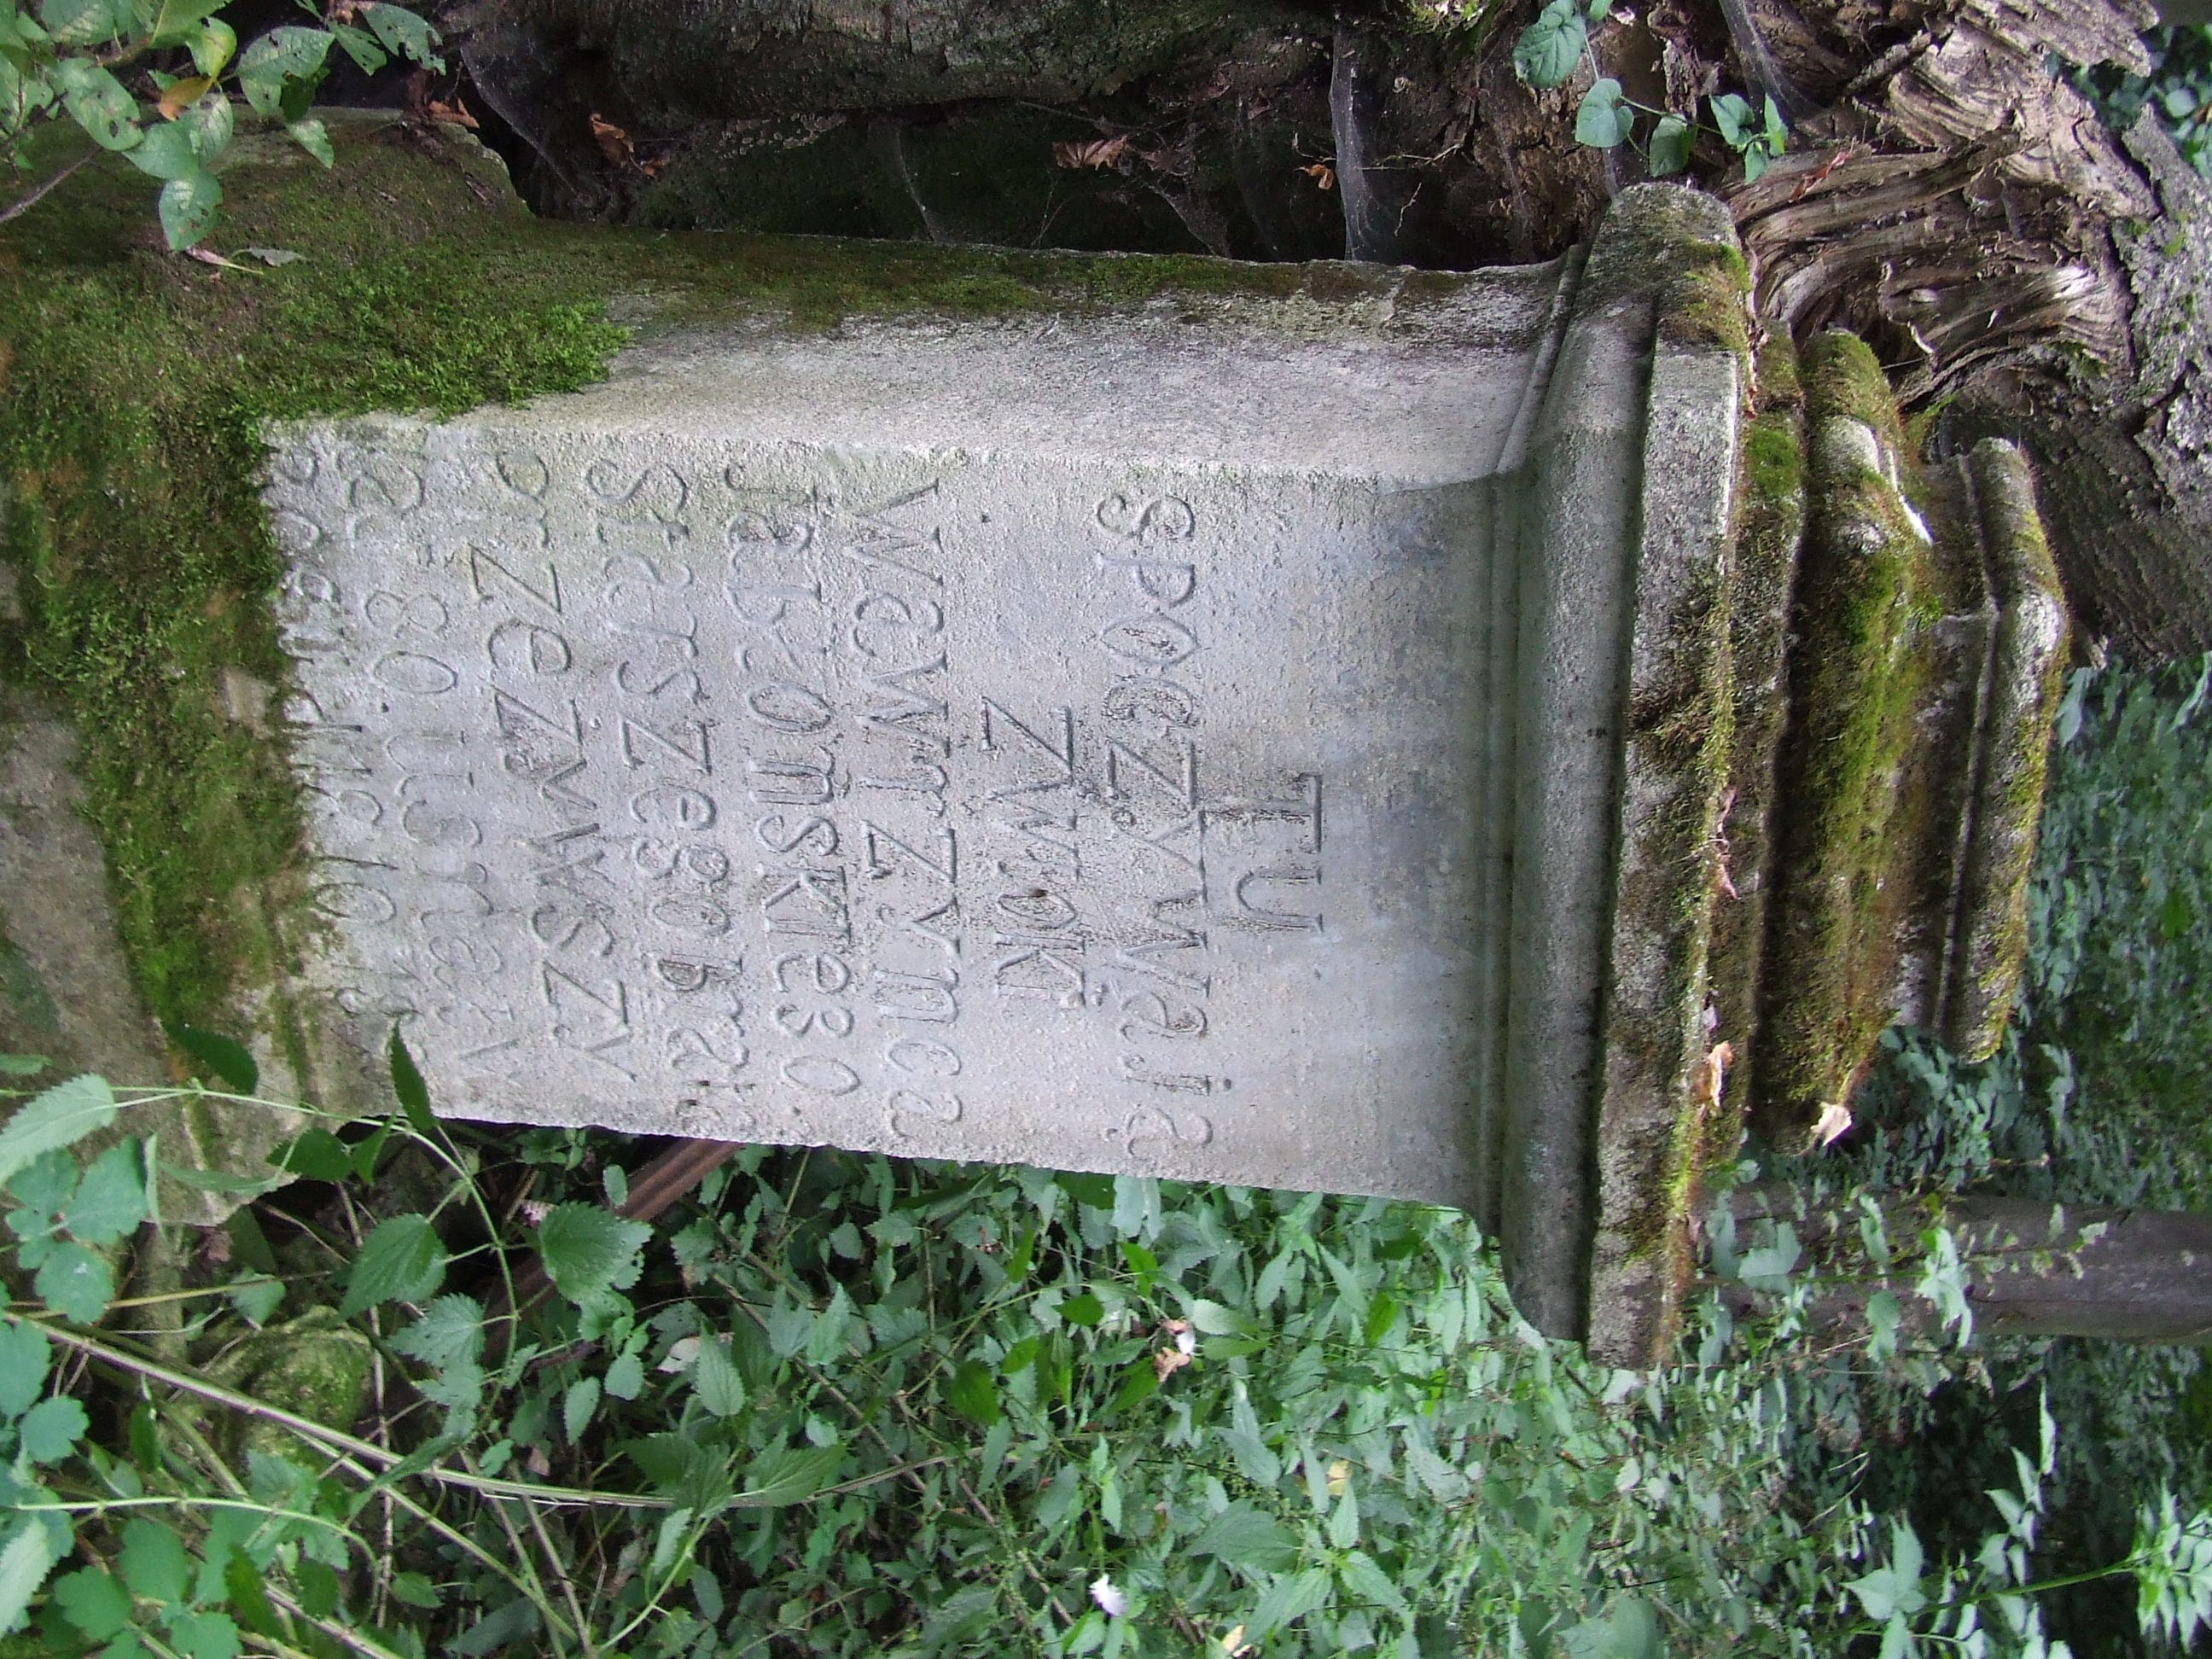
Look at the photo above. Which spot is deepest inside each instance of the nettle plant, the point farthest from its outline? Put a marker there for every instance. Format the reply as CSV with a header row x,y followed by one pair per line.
x,y
1551,48
154,80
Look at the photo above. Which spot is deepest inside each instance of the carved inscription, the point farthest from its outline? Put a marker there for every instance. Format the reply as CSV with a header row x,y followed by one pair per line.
x,y
678,783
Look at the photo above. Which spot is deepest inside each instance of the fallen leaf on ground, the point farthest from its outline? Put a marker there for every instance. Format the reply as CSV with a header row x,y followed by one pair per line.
x,y
273,256
1090,152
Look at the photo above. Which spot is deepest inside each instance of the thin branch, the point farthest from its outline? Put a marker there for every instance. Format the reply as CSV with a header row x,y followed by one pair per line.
x,y
23,204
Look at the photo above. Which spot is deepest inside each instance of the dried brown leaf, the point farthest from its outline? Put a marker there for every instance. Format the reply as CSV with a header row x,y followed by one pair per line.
x,y
180,95
1090,152
1322,173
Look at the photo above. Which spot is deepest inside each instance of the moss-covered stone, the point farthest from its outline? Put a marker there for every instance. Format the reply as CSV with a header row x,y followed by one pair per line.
x,y
315,1366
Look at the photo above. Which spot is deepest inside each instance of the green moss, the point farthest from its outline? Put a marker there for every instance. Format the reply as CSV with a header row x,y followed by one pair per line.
x,y
133,388
315,1366
1860,678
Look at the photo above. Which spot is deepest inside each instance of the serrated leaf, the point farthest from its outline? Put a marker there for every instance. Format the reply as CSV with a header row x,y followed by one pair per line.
x,y
451,1330
23,1064
1082,1309
626,1376
204,1633
1670,146
790,1476
153,1561
25,1560
403,1261
93,1601
51,1429
1245,1536
76,1283
1549,48
25,1355
407,1083
60,1117
1214,1319
242,1584
227,1060
43,1187
579,1405
187,208
974,1393
1288,1599
587,1250
414,1589
110,1201
716,1380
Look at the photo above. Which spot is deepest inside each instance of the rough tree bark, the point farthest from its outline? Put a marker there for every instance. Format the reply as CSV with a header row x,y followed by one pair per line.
x,y
1946,196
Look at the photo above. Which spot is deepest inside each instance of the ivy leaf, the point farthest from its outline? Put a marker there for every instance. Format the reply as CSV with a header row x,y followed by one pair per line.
x,y
281,58
154,1562
587,1250
716,1380
98,102
25,1354
1549,48
1603,119
1732,115
226,1060
1670,146
93,1601
975,1393
62,1116
403,1261
51,1429
110,1202
76,1283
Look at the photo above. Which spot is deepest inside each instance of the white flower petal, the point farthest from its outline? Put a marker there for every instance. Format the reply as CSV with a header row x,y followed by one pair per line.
x,y
1111,1601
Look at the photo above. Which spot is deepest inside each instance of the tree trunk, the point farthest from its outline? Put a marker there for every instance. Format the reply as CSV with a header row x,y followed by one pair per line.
x,y
2034,1267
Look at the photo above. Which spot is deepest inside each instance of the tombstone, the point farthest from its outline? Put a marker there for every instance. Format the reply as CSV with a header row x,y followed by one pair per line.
x,y
1280,731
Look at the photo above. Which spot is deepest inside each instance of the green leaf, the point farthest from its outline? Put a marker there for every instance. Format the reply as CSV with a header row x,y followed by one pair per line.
x,y
1248,1537
242,1584
403,33
360,45
23,1064
25,1354
98,102
280,60
626,1378
449,1333
76,1283
62,1116
217,1181
86,22
1213,1319
1382,1314
205,1634
790,1476
1732,115
579,1405
1083,1308
314,137
587,1250
407,1083
214,47
178,22
111,1200
227,1060
414,1589
315,1154
187,207
93,1601
51,1429
1777,134
25,1560
1549,48
716,1380
974,1393
1670,146
154,1562
1289,1599
167,152
402,1260
43,1187
1603,120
